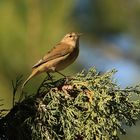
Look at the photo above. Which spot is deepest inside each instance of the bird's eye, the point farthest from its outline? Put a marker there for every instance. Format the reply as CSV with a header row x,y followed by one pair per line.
x,y
70,36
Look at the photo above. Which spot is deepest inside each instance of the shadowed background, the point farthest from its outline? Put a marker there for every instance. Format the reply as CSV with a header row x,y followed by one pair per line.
x,y
29,28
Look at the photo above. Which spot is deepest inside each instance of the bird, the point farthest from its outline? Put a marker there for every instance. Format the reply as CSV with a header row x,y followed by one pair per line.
x,y
59,57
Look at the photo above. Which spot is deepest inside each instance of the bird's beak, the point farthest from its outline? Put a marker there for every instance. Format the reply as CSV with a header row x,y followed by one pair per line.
x,y
79,34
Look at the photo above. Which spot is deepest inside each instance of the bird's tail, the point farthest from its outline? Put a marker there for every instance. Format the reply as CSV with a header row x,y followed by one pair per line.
x,y
34,72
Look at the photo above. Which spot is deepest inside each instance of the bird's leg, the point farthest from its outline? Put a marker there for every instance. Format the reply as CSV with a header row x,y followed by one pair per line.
x,y
61,74
50,77
67,78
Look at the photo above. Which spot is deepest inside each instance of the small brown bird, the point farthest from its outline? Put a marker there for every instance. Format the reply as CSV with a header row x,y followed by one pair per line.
x,y
61,56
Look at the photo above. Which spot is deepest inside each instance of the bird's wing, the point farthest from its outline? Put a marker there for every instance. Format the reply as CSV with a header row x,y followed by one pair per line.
x,y
60,50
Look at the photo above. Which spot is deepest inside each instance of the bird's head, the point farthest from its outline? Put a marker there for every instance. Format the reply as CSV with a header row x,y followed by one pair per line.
x,y
71,38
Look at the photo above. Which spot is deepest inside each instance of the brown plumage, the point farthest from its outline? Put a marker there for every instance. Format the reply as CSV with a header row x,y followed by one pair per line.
x,y
61,56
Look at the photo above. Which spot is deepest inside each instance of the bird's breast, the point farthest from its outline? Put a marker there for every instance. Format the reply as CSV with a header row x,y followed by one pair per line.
x,y
68,59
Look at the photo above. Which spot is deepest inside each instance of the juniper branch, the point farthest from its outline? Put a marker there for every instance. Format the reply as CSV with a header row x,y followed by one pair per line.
x,y
87,106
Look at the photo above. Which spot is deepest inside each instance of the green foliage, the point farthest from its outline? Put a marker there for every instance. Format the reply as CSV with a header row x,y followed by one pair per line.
x,y
15,86
2,111
86,106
